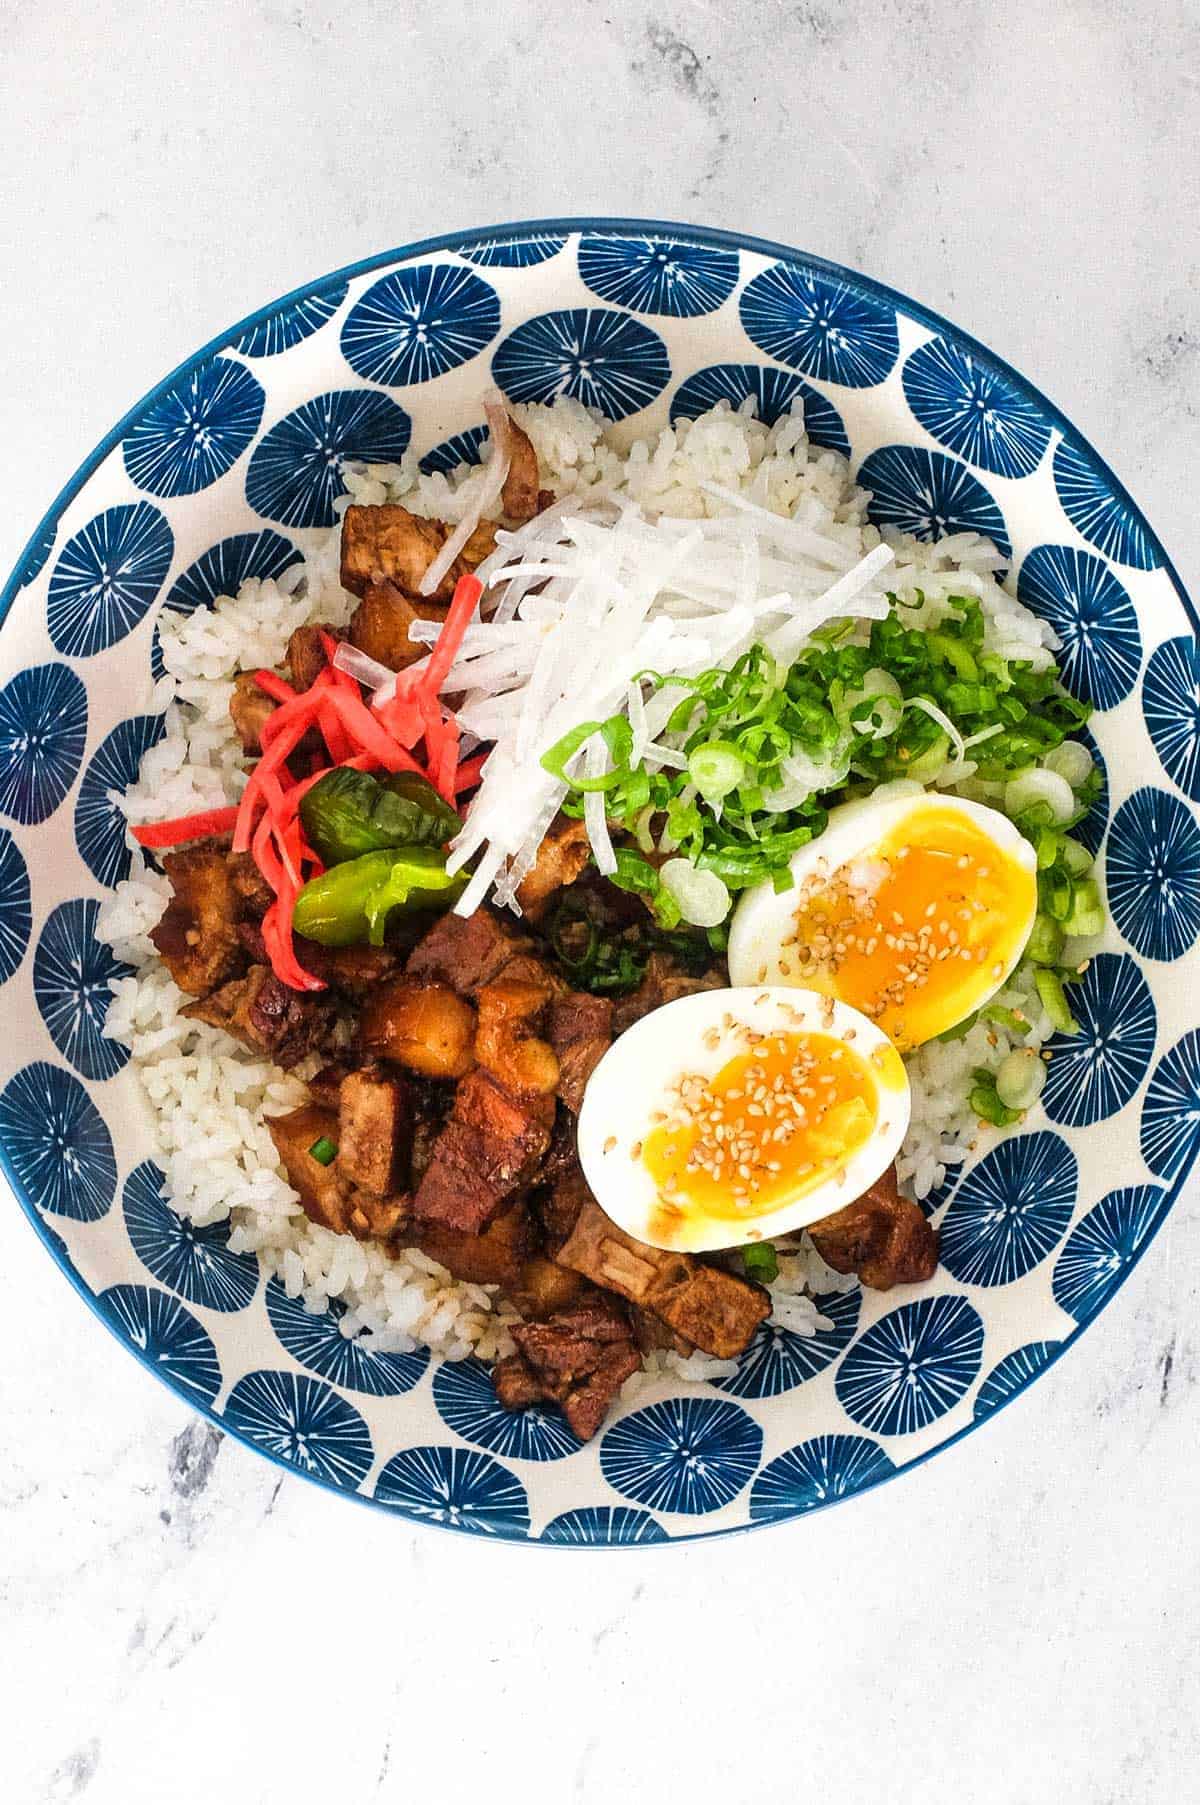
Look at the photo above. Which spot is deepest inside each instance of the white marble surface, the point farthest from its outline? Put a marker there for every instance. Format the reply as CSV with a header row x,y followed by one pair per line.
x,y
1019,1622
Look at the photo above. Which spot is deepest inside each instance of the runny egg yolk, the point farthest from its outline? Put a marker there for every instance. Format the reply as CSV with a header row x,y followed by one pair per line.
x,y
920,932
773,1123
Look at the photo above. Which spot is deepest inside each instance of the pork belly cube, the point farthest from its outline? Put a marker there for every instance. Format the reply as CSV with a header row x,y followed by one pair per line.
x,y
380,625
712,1308
267,1016
497,1256
374,1137
579,1029
423,1026
881,1236
488,1150
389,545
197,938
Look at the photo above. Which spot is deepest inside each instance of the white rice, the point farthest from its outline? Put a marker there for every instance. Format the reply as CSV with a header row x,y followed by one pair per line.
x,y
210,1095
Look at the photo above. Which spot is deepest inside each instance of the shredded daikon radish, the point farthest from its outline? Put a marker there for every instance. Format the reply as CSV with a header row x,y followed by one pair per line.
x,y
488,495
594,592
595,764
367,671
635,708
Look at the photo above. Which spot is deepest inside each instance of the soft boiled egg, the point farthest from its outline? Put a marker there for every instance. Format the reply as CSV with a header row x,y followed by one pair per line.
x,y
912,908
735,1115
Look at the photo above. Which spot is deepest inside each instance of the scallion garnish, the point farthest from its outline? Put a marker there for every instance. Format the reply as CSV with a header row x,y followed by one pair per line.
x,y
761,1262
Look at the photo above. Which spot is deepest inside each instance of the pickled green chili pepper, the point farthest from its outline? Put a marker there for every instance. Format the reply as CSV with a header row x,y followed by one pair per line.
x,y
350,903
350,812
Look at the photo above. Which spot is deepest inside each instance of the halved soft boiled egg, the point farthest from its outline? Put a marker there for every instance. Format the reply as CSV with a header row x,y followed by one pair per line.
x,y
912,908
732,1116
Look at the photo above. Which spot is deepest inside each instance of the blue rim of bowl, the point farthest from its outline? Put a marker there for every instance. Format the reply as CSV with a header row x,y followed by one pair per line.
x,y
516,230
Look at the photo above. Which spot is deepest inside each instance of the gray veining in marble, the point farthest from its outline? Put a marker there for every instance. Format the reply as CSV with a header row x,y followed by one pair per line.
x,y
1020,1622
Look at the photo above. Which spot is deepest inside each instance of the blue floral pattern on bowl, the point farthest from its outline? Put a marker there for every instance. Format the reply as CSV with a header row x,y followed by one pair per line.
x,y
287,326
912,1366
688,1454
1012,1374
197,1264
415,324
1089,503
605,359
1171,1110
1101,1247
303,1422
1152,872
605,1525
657,275
1010,1210
295,472
817,1472
1090,610
106,578
72,978
43,730
930,495
224,567
1171,710
1094,1072
226,473
196,430
58,1143
458,1488
974,411
167,1336
830,330
16,915
99,824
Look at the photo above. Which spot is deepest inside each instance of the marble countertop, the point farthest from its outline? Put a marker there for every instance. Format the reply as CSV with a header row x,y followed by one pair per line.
x,y
1018,1621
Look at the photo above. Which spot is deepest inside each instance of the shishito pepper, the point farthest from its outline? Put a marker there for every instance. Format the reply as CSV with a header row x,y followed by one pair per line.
x,y
349,812
350,903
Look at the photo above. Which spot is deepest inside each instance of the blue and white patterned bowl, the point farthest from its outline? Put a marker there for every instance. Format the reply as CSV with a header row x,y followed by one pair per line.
x,y
227,470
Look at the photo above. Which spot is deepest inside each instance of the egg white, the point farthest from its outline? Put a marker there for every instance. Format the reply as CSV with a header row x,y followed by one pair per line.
x,y
765,917
699,1035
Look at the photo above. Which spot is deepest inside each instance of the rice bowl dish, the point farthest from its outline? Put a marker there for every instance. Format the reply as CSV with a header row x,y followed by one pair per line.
x,y
740,687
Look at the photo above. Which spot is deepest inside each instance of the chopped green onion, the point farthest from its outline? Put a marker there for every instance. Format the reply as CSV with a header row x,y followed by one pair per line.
x,y
761,1262
1040,787
1054,1001
1045,941
716,768
1070,760
323,1150
1086,916
953,652
960,1029
930,763
766,750
1049,848
1019,1079
1004,1018
988,1105
875,707
1055,890
1077,859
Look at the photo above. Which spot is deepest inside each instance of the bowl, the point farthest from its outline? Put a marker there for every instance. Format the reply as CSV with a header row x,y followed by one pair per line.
x,y
228,469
